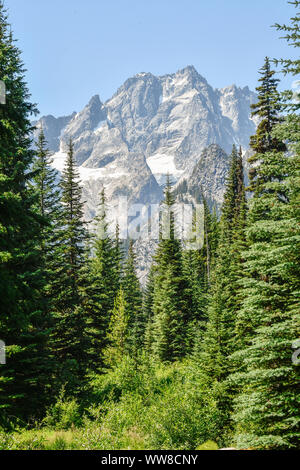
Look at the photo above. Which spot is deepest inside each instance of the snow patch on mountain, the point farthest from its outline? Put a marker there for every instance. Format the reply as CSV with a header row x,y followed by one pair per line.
x,y
162,165
99,126
86,174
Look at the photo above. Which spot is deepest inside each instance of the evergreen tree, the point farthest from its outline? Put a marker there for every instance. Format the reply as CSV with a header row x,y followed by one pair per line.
x,y
133,299
25,378
219,338
44,182
118,332
291,66
70,325
268,322
267,407
148,302
106,260
103,284
268,155
266,109
170,298
197,266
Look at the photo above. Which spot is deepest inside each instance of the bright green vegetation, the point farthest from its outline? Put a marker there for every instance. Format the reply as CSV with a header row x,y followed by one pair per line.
x,y
199,359
154,407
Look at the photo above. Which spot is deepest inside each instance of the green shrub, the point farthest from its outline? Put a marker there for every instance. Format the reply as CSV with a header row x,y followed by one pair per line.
x,y
135,406
64,414
208,445
168,407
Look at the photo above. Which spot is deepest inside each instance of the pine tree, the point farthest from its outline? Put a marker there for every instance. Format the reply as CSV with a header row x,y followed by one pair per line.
x,y
267,407
219,340
133,298
268,155
291,67
170,298
25,378
222,309
69,335
117,333
106,262
148,300
44,182
104,283
197,266
266,109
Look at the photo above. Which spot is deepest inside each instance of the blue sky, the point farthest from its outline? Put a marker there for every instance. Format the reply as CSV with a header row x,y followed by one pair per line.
x,y
74,49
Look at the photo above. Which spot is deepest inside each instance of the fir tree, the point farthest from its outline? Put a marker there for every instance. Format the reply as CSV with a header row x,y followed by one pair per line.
x,y
49,206
268,321
44,182
266,411
219,340
133,299
266,109
69,335
104,283
148,300
170,299
25,378
197,266
117,333
106,262
291,98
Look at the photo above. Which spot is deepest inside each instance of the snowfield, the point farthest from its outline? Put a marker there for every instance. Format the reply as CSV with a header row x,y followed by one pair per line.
x,y
87,174
162,165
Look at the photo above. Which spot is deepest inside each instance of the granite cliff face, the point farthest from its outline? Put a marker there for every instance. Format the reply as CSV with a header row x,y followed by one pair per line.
x,y
210,172
151,127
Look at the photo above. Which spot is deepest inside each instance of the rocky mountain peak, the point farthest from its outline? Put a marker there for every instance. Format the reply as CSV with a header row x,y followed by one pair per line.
x,y
167,121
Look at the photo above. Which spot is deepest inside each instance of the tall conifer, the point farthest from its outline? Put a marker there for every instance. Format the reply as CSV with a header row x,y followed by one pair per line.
x,y
170,299
133,298
267,407
25,377
70,324
219,340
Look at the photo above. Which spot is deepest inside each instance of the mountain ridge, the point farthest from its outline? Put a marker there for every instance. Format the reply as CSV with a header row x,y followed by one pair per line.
x,y
150,127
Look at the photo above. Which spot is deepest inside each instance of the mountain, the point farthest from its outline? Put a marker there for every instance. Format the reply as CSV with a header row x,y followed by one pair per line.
x,y
209,174
150,127
176,124
53,128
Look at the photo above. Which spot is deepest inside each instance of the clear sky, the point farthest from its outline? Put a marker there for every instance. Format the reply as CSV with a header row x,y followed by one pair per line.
x,y
74,49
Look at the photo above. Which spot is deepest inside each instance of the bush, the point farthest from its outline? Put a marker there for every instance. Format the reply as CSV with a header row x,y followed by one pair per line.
x,y
65,413
168,407
126,377
209,445
182,418
134,406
